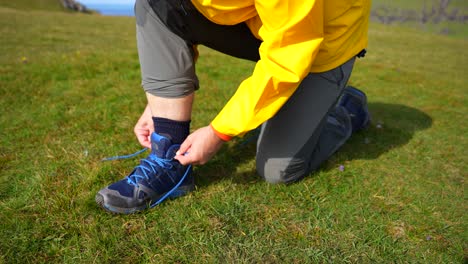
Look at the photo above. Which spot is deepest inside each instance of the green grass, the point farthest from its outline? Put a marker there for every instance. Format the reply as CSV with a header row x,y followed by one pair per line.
x,y
70,95
48,5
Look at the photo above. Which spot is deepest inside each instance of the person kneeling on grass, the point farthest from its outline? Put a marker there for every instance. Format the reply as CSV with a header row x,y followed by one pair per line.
x,y
304,52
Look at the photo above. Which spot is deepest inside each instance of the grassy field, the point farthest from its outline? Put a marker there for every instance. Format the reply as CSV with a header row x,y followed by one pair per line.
x,y
417,4
70,95
410,13
48,5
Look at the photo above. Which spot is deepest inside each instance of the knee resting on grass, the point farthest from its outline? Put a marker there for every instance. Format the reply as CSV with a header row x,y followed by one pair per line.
x,y
282,170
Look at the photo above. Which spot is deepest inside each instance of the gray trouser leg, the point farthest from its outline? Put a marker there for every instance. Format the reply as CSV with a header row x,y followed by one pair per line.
x,y
166,60
307,130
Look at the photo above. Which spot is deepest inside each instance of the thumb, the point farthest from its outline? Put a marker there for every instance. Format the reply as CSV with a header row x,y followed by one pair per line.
x,y
184,147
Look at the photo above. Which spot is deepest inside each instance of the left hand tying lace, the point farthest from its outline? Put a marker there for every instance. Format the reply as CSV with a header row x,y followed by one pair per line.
x,y
144,128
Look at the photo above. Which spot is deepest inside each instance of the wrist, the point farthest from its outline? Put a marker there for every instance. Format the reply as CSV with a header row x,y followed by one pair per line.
x,y
220,135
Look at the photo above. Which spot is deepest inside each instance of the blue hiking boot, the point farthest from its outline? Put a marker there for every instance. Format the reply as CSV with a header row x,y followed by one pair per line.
x,y
157,178
355,102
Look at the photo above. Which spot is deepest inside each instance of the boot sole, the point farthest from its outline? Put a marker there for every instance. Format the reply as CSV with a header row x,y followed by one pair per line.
x,y
179,192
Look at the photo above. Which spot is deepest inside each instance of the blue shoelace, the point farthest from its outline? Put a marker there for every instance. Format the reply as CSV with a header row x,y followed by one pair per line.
x,y
125,156
164,197
151,164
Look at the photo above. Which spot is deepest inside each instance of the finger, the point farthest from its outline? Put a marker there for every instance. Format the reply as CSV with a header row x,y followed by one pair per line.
x,y
185,159
147,136
185,146
143,139
145,143
182,160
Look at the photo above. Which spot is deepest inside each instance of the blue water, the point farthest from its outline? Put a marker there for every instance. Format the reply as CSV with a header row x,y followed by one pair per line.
x,y
112,9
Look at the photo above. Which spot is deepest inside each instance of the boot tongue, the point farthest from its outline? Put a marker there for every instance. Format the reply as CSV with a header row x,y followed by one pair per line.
x,y
160,145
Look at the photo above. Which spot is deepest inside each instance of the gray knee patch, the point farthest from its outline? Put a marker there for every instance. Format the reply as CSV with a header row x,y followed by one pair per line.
x,y
282,170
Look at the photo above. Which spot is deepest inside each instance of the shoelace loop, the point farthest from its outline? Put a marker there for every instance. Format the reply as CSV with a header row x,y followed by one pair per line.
x,y
152,164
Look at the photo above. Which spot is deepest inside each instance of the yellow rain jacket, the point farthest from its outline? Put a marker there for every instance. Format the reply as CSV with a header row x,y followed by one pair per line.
x,y
299,36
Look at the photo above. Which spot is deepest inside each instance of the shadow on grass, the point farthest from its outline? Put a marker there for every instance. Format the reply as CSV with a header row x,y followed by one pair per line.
x,y
234,162
392,125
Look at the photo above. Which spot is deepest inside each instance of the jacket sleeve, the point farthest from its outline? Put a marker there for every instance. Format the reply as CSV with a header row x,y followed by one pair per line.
x,y
292,32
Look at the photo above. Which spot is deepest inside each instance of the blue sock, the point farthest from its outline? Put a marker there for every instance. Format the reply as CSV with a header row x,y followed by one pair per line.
x,y
176,131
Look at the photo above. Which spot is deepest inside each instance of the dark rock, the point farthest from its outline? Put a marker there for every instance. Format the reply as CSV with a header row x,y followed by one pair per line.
x,y
75,6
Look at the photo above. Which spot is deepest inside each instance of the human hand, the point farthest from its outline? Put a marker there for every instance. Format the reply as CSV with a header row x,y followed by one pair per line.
x,y
199,147
144,128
